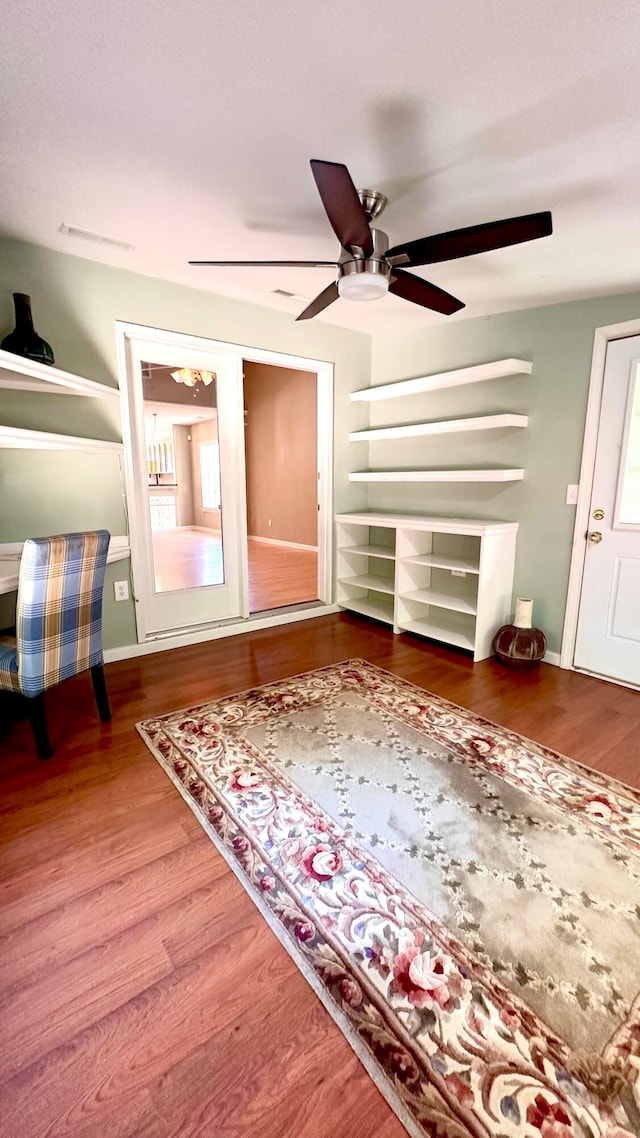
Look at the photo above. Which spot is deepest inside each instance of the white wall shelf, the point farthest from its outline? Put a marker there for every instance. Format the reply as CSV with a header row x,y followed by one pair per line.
x,y
18,438
486,475
452,577
477,374
20,374
444,427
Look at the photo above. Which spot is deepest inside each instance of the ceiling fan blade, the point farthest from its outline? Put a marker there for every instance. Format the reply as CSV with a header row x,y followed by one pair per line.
x,y
344,208
422,292
474,239
274,264
323,300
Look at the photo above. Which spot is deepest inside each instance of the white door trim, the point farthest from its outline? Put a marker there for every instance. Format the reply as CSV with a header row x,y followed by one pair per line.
x,y
602,337
324,371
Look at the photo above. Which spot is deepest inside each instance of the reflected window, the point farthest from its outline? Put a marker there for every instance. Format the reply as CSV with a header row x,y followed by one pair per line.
x,y
210,475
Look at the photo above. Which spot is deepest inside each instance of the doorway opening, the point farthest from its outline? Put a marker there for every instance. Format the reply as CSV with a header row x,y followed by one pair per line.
x,y
281,433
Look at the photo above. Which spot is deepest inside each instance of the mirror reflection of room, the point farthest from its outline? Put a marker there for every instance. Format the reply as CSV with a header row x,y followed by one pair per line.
x,y
183,476
184,481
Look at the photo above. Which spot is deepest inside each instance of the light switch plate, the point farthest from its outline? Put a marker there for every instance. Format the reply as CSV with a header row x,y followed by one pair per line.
x,y
572,494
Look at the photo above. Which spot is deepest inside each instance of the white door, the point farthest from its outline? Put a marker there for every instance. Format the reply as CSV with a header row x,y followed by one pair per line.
x,y
608,639
184,448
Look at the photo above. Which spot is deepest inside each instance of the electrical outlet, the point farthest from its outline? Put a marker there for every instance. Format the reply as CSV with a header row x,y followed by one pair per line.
x,y
572,494
121,590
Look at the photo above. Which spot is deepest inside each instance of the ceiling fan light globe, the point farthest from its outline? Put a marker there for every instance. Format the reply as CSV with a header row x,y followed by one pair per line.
x,y
363,286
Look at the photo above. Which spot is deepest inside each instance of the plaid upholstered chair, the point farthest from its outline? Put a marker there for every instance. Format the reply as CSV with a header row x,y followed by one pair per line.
x,y
58,623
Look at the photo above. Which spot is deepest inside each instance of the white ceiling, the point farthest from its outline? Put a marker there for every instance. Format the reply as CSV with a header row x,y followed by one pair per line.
x,y
186,129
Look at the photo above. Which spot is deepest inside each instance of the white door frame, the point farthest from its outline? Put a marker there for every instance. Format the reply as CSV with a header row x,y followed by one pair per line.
x,y
324,371
602,337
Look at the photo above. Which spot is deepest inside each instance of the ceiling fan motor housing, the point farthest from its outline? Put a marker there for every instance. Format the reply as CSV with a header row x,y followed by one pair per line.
x,y
365,278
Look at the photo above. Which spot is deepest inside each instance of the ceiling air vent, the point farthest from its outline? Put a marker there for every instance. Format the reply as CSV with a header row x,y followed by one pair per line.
x,y
99,238
288,295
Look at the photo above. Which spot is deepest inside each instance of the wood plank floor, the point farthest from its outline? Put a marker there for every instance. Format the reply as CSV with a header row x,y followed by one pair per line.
x,y
279,575
141,993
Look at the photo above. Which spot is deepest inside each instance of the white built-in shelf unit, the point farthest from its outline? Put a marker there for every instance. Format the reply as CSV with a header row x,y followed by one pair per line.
x,y
448,579
504,420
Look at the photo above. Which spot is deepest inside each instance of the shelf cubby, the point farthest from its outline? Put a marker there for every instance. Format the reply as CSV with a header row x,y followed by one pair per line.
x,y
446,627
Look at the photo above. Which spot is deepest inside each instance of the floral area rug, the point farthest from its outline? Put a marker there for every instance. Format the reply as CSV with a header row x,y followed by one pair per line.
x,y
465,902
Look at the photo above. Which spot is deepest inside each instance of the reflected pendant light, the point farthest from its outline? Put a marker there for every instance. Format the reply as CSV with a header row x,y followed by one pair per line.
x,y
191,376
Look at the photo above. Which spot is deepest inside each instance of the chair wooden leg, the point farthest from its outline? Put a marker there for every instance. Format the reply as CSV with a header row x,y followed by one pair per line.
x,y
100,692
38,719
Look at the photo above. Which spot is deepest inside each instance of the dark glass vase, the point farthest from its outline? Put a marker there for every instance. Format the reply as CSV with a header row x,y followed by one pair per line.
x,y
24,340
519,644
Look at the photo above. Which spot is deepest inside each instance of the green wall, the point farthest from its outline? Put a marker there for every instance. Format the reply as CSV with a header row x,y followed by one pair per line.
x,y
75,305
558,340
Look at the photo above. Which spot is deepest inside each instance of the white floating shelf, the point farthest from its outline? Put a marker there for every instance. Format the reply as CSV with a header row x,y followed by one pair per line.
x,y
371,581
476,374
435,561
444,427
18,438
20,374
370,551
436,475
441,600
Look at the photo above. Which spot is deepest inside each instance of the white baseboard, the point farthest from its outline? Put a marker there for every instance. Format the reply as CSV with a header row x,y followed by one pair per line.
x,y
182,639
552,658
276,541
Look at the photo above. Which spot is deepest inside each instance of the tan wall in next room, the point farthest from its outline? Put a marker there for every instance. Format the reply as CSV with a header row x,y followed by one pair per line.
x,y
184,475
206,432
281,453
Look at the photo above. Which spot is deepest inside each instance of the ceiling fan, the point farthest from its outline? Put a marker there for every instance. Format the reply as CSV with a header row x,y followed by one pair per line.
x,y
367,268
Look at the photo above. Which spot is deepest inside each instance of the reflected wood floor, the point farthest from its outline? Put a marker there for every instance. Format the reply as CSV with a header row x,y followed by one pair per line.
x,y
278,574
142,994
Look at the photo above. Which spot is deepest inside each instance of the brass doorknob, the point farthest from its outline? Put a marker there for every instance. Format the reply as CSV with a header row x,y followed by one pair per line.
x,y
595,537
